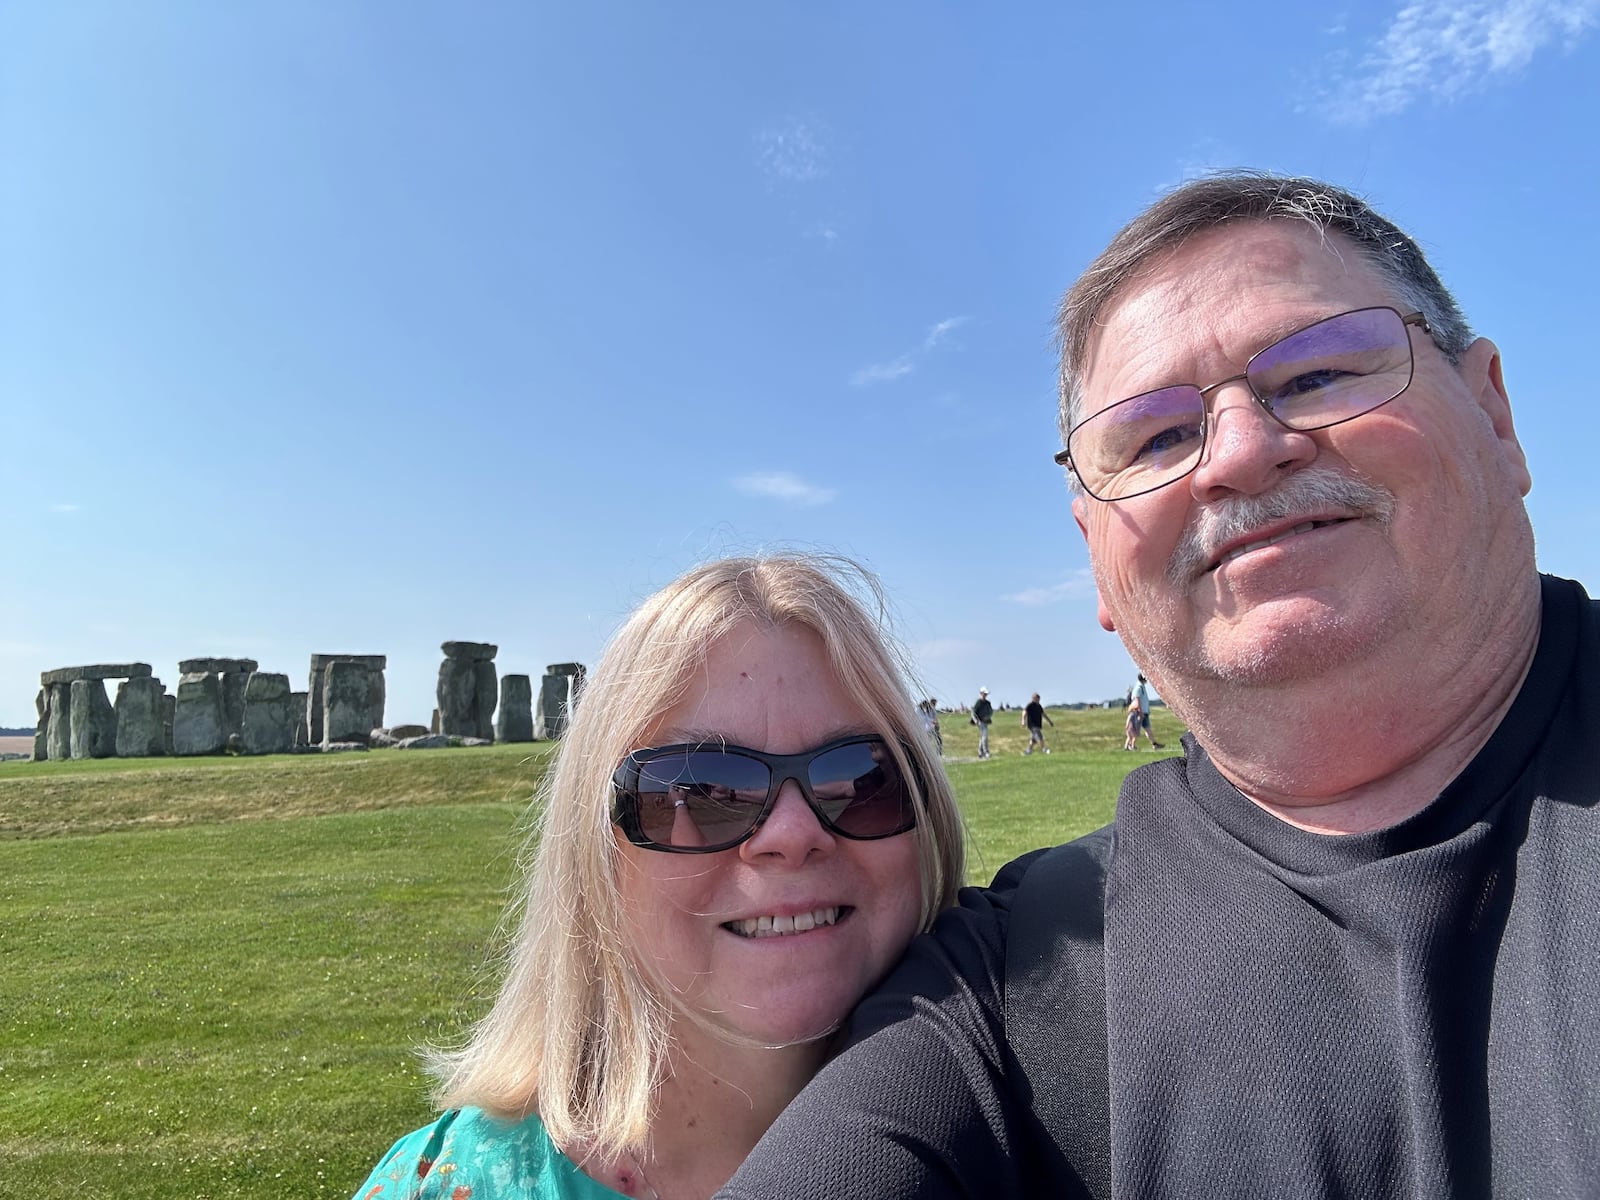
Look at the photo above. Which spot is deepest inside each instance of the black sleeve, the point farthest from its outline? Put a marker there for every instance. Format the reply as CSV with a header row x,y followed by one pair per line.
x,y
916,1104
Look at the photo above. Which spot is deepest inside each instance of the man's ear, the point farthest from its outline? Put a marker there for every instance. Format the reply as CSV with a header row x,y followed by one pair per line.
x,y
1080,509
1481,368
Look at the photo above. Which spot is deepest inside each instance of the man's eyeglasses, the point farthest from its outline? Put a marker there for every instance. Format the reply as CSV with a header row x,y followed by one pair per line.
x,y
698,799
1329,372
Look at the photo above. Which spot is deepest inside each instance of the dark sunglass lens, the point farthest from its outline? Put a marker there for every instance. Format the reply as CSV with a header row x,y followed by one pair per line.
x,y
861,790
1335,369
697,799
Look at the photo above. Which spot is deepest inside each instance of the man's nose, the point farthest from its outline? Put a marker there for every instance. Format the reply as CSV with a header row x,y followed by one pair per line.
x,y
1247,449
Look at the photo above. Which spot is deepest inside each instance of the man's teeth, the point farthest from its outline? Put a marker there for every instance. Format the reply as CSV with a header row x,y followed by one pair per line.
x,y
760,927
1305,527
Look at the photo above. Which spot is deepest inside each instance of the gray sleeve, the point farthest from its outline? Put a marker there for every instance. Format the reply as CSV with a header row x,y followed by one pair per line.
x,y
916,1105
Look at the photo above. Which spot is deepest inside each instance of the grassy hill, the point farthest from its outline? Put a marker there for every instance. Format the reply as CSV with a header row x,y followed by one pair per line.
x,y
214,973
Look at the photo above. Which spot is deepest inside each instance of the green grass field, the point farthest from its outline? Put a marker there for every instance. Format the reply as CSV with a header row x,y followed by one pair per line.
x,y
213,973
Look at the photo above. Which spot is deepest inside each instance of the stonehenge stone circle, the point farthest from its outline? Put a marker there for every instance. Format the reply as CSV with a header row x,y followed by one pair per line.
x,y
229,704
514,720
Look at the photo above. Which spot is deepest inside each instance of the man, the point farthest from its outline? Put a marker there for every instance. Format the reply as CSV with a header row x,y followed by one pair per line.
x,y
1033,719
1141,696
982,714
1351,943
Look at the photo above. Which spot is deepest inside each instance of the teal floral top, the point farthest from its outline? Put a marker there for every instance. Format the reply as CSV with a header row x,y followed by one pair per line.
x,y
469,1155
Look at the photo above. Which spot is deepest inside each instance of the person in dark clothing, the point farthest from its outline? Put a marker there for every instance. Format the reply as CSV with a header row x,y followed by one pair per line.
x,y
1347,944
982,716
1033,719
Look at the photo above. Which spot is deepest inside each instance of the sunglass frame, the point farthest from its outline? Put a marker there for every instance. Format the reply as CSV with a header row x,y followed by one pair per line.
x,y
780,769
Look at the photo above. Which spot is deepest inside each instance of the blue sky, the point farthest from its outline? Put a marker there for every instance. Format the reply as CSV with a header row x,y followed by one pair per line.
x,y
359,327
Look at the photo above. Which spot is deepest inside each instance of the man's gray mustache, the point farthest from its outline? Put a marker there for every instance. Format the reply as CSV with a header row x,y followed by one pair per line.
x,y
1312,489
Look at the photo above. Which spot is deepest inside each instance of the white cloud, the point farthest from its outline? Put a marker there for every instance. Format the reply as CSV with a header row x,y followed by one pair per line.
x,y
882,372
793,152
906,363
782,485
1446,49
1080,583
938,332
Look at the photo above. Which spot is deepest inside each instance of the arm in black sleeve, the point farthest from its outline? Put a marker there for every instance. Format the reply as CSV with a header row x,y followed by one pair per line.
x,y
916,1105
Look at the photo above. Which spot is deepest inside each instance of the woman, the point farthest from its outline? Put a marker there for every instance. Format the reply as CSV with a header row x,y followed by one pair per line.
x,y
743,830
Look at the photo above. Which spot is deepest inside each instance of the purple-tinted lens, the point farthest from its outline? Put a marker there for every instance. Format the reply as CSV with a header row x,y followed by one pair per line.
x,y
1334,370
1140,443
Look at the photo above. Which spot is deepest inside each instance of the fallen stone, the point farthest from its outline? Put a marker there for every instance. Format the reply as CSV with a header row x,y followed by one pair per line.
x,y
342,747
426,741
401,732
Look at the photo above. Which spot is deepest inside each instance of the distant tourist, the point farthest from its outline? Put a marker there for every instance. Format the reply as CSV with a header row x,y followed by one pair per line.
x,y
982,714
1130,727
745,767
1033,719
930,722
1141,697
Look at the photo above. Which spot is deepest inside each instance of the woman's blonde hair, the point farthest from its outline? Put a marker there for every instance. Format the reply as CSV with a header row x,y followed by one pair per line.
x,y
578,1033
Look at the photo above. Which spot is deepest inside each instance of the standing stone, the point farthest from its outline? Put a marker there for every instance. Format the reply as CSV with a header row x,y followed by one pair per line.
x,y
297,714
374,663
551,719
94,721
436,726
347,704
268,723
197,720
169,710
41,734
139,732
232,685
514,721
466,691
60,739
558,695
486,689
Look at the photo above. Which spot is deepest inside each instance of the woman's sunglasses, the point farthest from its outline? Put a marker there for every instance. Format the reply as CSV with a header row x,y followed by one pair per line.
x,y
699,798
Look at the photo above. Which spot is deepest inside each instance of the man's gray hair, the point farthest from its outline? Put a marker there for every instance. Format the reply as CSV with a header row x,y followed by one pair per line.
x,y
1209,203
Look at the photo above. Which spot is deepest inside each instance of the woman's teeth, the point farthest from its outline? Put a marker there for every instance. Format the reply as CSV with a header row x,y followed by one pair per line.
x,y
760,927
